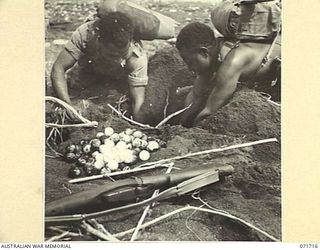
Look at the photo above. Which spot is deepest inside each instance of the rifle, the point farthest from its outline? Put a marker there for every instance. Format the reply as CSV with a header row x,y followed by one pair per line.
x,y
117,195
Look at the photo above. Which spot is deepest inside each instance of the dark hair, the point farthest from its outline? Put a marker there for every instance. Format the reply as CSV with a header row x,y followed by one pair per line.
x,y
117,28
194,35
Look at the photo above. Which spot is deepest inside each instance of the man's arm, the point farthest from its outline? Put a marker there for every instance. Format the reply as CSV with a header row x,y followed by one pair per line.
x,y
137,94
138,80
197,97
225,83
64,62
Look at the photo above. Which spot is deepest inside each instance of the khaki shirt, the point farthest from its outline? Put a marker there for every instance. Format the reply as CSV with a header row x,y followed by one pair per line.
x,y
137,70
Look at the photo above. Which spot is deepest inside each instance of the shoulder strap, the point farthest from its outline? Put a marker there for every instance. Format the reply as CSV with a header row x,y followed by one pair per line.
x,y
226,47
267,56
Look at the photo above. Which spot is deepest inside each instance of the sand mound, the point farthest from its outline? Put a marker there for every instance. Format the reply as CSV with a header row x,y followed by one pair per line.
x,y
246,113
167,72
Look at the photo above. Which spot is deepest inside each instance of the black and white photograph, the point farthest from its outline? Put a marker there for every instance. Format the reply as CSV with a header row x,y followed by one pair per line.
x,y
162,120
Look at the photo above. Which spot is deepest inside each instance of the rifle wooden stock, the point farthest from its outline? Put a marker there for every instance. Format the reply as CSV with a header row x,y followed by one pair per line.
x,y
123,191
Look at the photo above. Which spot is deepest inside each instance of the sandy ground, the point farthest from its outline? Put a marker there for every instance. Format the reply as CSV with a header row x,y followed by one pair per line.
x,y
252,193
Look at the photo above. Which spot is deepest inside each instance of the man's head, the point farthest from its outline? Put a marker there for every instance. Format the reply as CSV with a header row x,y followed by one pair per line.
x,y
194,43
115,32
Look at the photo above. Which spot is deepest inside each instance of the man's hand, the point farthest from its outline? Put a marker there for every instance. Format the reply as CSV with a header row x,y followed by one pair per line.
x,y
79,107
197,96
72,116
203,114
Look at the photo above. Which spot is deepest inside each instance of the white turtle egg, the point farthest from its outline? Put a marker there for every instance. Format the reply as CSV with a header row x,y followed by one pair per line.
x,y
108,131
105,148
105,171
98,157
115,137
134,158
129,131
152,146
87,148
98,164
126,138
107,157
121,135
121,145
144,137
113,165
120,153
143,144
109,143
95,153
126,168
99,134
130,159
136,151
136,143
116,155
144,155
127,156
137,134
102,148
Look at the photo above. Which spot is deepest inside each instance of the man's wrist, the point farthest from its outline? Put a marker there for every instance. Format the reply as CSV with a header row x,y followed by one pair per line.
x,y
65,99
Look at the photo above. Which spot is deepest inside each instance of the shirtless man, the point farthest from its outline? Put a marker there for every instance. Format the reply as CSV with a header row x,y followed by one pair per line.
x,y
220,65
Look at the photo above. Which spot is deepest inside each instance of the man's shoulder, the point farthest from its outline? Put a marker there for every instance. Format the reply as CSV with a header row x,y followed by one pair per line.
x,y
238,57
243,60
234,50
86,28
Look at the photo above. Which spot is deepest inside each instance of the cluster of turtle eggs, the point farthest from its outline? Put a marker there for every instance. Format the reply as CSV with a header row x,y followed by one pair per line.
x,y
110,151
